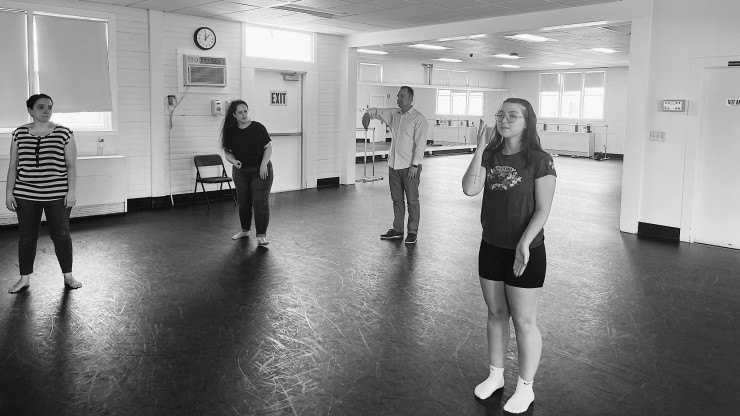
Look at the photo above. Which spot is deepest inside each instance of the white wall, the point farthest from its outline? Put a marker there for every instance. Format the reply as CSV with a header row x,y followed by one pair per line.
x,y
681,31
142,134
525,84
195,130
328,59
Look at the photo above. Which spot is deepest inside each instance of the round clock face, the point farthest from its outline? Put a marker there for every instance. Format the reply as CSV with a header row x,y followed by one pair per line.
x,y
204,38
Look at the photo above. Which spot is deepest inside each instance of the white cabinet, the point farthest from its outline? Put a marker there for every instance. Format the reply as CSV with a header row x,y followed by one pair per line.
x,y
101,187
454,134
568,143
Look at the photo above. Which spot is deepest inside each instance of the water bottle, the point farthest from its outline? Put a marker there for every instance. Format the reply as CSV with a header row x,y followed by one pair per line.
x,y
101,146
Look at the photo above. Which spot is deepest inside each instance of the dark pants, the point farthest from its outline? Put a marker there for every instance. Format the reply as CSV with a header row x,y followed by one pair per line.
x,y
401,185
29,222
253,193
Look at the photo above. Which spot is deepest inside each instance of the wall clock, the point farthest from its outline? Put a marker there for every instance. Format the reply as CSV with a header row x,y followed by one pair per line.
x,y
204,38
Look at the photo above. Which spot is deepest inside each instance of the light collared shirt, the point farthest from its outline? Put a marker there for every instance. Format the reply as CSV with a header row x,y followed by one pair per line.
x,y
409,132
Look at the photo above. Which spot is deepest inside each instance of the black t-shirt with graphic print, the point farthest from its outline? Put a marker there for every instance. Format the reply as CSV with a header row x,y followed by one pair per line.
x,y
508,196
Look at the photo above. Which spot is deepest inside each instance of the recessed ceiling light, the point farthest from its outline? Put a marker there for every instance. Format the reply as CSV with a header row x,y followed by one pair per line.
x,y
599,23
604,50
563,63
447,60
508,56
509,66
428,47
372,52
528,38
478,36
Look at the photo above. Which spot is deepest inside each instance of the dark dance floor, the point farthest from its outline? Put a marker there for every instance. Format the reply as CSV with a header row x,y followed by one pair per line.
x,y
175,318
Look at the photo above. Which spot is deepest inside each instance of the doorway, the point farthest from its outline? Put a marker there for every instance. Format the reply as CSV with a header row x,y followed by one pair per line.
x,y
716,218
278,105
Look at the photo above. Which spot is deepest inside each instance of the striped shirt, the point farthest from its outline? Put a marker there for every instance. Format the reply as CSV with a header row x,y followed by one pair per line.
x,y
42,170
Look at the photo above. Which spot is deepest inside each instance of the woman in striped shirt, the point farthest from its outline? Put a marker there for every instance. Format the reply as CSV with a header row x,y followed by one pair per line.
x,y
42,177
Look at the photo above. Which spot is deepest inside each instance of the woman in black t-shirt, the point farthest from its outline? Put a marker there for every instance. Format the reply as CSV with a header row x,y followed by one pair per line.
x,y
518,182
248,147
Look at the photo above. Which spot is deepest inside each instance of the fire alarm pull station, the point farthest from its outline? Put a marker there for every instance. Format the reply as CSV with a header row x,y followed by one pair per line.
x,y
217,108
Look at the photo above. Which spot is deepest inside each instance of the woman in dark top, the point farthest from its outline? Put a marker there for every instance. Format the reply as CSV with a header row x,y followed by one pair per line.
x,y
518,182
42,177
248,147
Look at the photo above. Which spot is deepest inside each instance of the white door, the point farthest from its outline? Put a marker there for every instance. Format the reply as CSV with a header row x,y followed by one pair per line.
x,y
278,104
716,218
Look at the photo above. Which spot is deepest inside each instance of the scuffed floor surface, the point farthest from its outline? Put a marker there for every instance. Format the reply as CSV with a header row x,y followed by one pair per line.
x,y
175,318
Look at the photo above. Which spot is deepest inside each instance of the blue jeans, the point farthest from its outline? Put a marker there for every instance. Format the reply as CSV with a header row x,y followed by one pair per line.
x,y
401,185
29,223
253,194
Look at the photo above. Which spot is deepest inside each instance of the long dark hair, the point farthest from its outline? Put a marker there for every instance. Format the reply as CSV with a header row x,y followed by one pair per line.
x,y
530,139
31,101
230,120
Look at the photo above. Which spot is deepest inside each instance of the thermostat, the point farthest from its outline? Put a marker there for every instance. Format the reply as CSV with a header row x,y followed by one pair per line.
x,y
674,105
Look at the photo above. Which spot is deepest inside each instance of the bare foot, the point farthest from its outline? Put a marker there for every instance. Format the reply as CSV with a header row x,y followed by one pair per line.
x,y
71,282
22,284
241,234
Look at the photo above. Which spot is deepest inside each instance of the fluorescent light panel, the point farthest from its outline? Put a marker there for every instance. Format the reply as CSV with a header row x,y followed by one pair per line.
x,y
507,56
478,36
563,63
372,52
510,66
528,38
428,47
575,25
291,7
604,50
447,60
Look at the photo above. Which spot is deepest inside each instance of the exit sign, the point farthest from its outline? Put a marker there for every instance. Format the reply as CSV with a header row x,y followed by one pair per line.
x,y
278,97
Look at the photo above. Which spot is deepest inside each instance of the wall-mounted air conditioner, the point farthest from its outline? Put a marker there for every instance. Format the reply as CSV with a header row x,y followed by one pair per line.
x,y
204,71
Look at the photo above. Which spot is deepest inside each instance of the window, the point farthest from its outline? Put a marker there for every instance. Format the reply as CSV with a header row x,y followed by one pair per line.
x,y
262,42
370,73
69,60
572,94
475,103
459,102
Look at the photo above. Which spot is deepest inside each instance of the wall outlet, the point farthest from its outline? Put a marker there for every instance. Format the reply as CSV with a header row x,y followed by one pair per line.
x,y
171,100
657,136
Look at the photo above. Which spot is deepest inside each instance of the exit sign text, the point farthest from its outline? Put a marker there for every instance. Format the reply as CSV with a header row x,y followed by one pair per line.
x,y
278,97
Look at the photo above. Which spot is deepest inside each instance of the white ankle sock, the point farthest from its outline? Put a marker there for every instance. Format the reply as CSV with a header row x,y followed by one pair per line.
x,y
522,398
494,382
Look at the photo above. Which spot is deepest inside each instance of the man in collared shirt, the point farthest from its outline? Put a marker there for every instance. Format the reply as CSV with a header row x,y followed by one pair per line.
x,y
409,129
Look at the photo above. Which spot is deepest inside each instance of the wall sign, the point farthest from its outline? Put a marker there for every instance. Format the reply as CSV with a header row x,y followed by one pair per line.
x,y
673,105
278,97
733,101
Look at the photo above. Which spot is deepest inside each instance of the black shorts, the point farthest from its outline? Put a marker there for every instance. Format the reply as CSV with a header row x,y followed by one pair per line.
x,y
495,263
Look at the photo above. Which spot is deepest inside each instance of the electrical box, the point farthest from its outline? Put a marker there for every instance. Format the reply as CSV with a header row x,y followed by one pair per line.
x,y
217,108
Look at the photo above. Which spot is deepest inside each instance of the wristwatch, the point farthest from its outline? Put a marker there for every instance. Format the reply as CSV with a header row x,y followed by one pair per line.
x,y
416,166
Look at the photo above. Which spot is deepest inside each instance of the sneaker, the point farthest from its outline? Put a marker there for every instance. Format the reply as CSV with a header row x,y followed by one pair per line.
x,y
240,235
391,235
262,241
410,239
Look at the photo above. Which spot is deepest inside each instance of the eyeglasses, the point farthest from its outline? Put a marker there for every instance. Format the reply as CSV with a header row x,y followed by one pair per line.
x,y
510,117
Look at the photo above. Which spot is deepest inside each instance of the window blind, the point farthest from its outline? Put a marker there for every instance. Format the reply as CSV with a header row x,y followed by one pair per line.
x,y
14,89
73,63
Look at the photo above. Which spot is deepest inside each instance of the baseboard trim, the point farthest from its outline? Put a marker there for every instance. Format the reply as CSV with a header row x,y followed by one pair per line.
x,y
663,232
158,202
326,182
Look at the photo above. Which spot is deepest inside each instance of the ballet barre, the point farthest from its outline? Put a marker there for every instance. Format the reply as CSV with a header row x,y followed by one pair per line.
x,y
365,178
